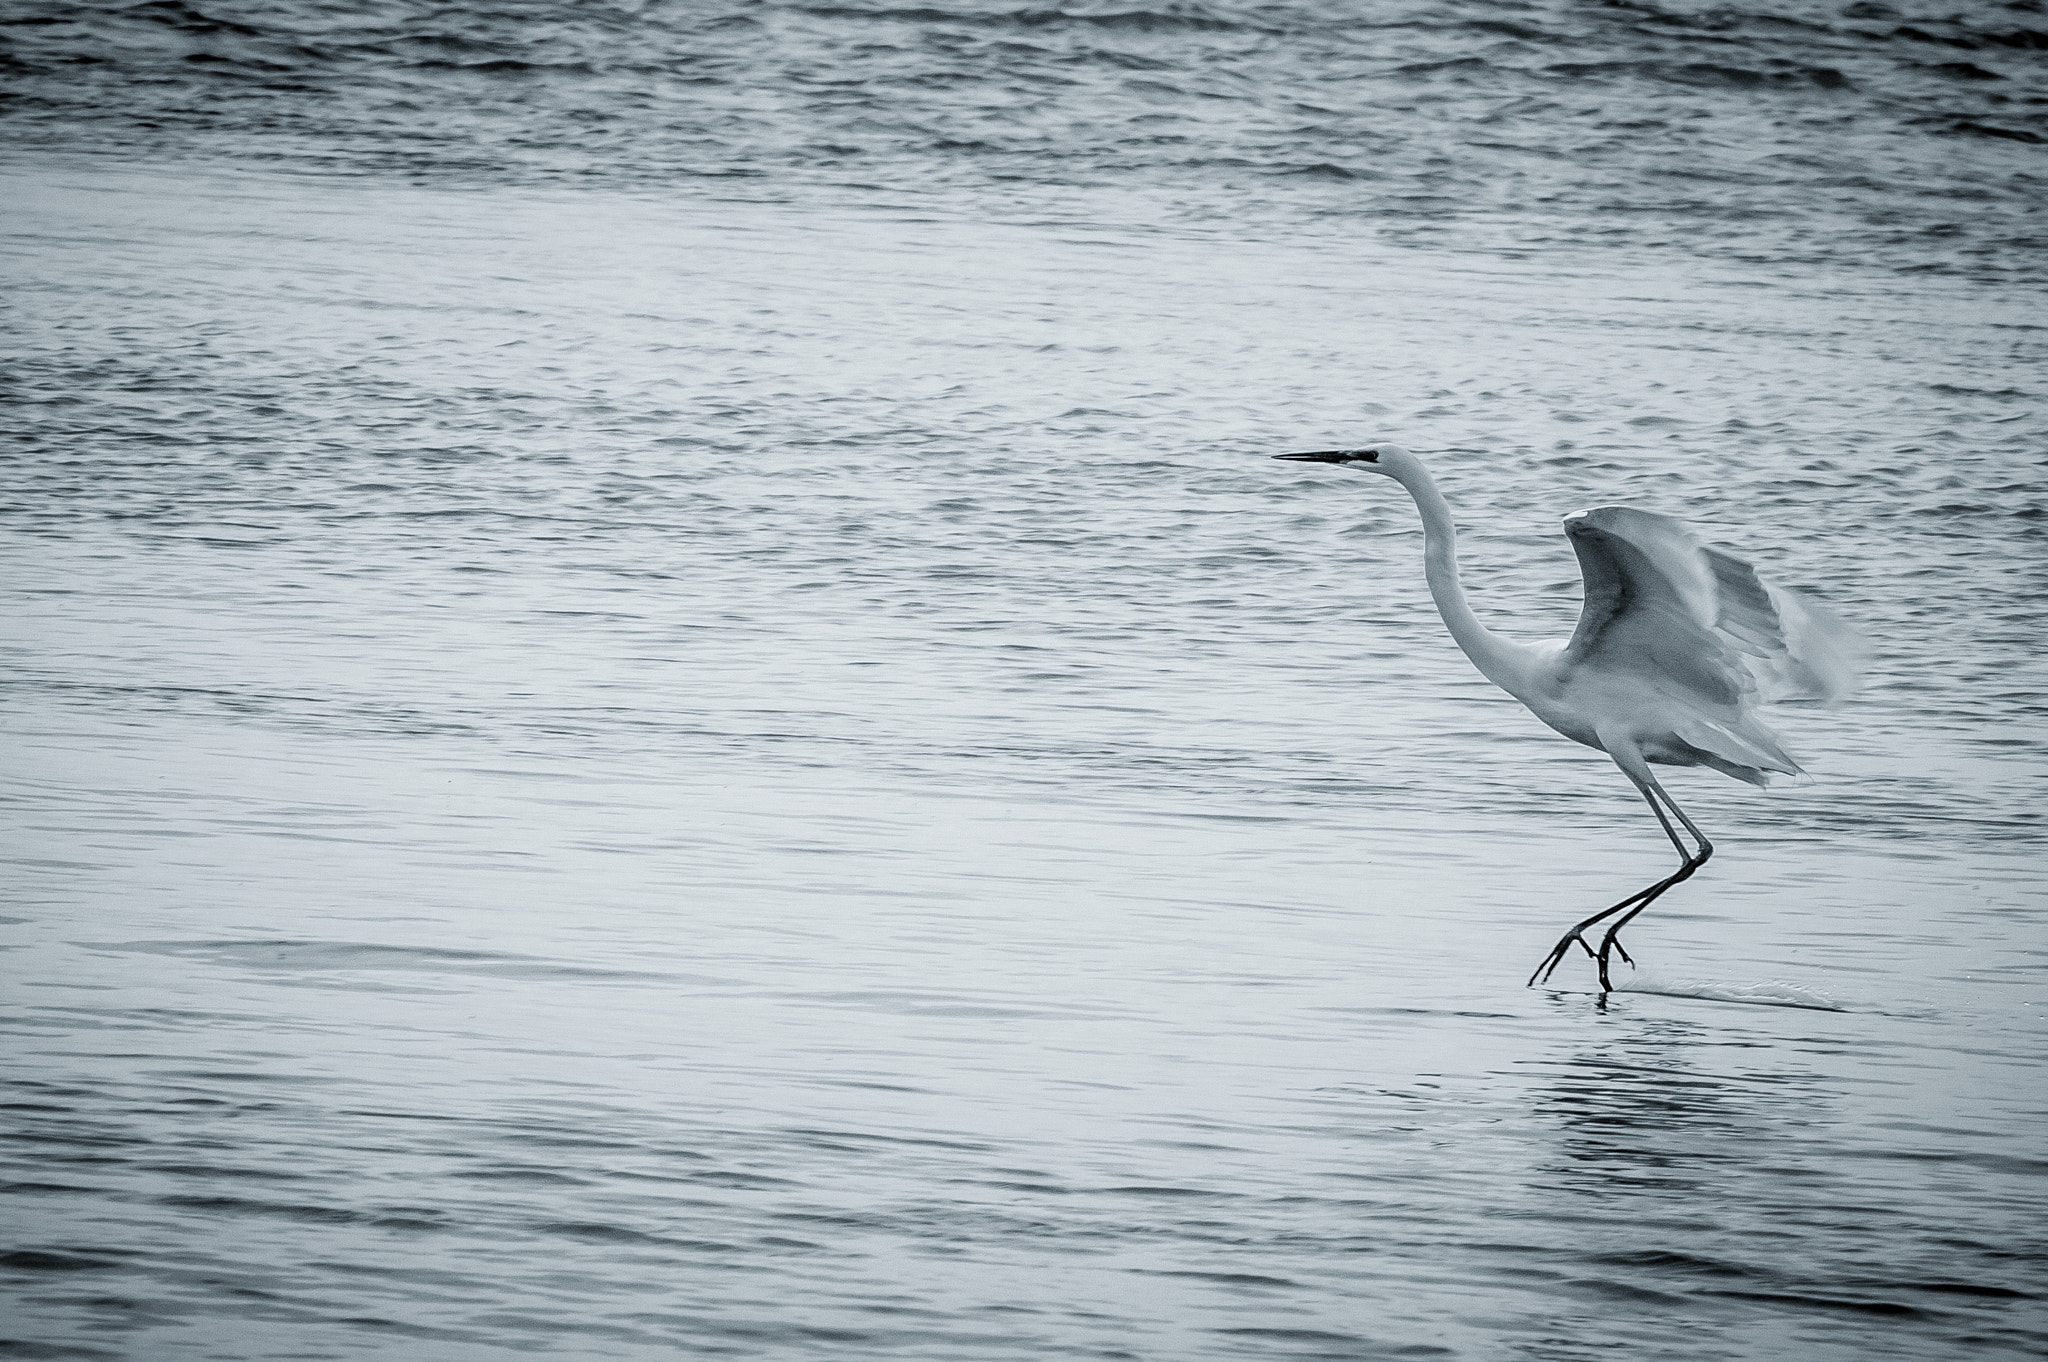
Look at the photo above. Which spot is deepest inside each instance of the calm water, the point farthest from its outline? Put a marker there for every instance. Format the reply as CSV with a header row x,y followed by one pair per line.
x,y
659,704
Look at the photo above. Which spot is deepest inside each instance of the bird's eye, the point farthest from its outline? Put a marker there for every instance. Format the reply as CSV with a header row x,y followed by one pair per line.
x,y
1369,455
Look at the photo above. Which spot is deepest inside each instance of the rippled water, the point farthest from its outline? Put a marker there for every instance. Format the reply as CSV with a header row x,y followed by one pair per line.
x,y
659,702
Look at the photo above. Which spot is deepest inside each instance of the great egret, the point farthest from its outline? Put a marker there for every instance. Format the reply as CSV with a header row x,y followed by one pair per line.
x,y
1676,646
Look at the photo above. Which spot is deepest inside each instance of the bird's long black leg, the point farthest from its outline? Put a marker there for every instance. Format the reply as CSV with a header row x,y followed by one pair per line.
x,y
1642,898
1692,861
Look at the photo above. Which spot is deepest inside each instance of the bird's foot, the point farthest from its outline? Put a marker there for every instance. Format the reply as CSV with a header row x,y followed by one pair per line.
x,y
1611,945
1558,953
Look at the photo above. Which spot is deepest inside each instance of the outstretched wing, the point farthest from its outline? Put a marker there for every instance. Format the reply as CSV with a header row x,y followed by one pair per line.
x,y
1662,605
1794,646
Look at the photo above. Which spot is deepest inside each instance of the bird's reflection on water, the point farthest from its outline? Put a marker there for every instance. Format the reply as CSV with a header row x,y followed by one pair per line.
x,y
1642,1112
1691,1175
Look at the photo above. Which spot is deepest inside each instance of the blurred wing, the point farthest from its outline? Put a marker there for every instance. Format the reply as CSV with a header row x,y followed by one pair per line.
x,y
1661,605
1794,646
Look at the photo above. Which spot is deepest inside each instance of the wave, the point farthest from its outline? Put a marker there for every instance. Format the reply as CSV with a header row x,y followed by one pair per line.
x,y
1708,74
1171,18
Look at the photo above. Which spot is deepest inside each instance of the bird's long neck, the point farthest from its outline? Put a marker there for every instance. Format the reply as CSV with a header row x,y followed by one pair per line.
x,y
1504,663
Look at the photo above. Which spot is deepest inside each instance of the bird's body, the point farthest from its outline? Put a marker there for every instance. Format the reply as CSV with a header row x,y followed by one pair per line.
x,y
1677,645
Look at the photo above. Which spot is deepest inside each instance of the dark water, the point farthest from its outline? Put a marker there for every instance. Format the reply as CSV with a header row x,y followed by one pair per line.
x,y
658,703
1792,135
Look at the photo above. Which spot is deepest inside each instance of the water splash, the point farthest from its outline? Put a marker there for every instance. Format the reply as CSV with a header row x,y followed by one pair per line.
x,y
1761,993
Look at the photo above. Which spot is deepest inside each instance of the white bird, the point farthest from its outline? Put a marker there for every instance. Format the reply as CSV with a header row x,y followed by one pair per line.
x,y
1677,645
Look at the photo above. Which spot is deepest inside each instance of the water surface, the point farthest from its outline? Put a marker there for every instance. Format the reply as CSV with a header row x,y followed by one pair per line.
x,y
659,700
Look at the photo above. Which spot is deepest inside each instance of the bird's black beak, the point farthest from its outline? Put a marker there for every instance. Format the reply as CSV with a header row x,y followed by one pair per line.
x,y
1335,456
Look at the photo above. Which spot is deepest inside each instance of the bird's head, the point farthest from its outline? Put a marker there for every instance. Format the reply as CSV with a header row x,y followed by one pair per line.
x,y
1391,460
